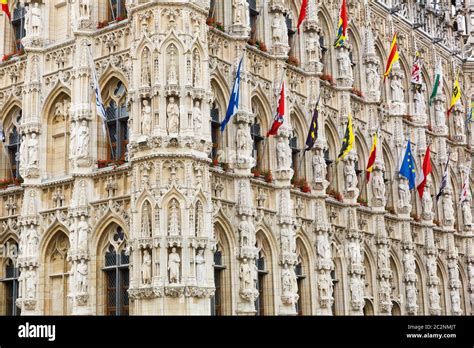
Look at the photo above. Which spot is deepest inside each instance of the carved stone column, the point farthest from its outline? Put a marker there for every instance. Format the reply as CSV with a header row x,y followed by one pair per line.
x,y
279,31
79,245
354,254
313,32
432,281
28,258
384,273
454,284
410,278
345,77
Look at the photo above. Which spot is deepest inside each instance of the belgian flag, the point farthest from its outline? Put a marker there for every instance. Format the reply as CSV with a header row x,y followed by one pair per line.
x,y
348,140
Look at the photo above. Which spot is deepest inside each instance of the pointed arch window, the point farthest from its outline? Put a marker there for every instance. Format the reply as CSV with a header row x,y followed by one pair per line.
x,y
253,14
117,122
13,149
18,25
219,267
260,302
257,151
10,285
300,277
117,10
216,133
116,263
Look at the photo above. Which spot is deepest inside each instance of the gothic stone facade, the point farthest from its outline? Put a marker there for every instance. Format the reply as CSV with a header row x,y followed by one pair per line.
x,y
159,212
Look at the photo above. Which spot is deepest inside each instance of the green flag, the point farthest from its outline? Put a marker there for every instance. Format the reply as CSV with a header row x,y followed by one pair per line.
x,y
438,81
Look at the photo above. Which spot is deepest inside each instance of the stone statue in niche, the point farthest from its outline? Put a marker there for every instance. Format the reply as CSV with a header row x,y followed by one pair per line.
x,y
411,296
420,102
431,267
33,21
245,275
200,266
409,262
197,117
146,117
439,114
61,110
31,281
242,140
240,12
33,160
246,234
277,27
397,90
354,252
373,79
461,23
312,47
32,242
357,290
85,9
453,271
172,67
174,262
458,124
24,152
434,297
455,301
146,221
83,140
81,276
288,279
146,267
174,217
23,249
382,258
196,69
403,193
146,71
426,204
466,213
350,174
344,63
82,232
319,165
324,286
448,208
173,117
378,185
283,154
323,248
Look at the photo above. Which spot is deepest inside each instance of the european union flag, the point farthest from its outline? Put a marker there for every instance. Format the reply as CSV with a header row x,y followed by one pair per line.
x,y
234,98
408,167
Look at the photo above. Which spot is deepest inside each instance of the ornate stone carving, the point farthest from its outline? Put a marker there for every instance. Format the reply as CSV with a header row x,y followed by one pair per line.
x,y
172,112
174,264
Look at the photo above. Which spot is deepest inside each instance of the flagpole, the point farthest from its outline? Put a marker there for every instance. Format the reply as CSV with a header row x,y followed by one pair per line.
x,y
104,125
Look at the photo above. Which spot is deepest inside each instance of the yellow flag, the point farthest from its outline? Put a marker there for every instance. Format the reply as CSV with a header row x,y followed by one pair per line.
x,y
456,95
348,140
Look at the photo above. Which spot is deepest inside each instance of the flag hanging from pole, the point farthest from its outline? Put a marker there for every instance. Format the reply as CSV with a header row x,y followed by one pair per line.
x,y
407,169
456,95
342,26
438,82
348,140
416,77
372,157
98,95
313,129
427,169
392,58
444,180
6,9
302,16
233,106
278,119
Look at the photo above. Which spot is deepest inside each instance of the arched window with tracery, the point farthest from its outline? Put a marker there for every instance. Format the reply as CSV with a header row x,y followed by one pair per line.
x,y
115,263
221,302
265,286
117,122
10,158
58,138
9,282
302,271
56,278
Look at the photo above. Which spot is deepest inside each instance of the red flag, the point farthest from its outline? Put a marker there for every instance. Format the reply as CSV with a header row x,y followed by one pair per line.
x,y
393,57
304,8
5,8
426,171
278,120
373,153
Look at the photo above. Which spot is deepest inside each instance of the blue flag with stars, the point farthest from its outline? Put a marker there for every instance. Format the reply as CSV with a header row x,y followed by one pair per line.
x,y
233,106
408,167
